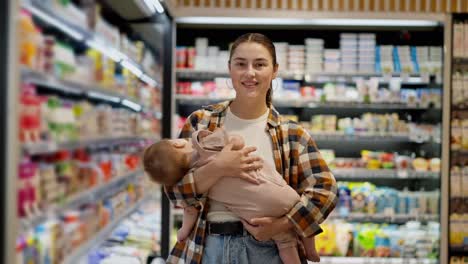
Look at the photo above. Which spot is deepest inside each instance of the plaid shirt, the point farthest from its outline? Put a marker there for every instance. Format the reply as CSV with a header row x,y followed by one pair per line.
x,y
296,158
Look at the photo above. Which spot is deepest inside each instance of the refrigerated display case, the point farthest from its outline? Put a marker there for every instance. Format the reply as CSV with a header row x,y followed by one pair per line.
x,y
376,115
86,91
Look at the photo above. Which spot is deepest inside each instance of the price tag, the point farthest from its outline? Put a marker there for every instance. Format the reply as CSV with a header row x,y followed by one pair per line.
x,y
387,77
438,77
389,212
404,77
402,174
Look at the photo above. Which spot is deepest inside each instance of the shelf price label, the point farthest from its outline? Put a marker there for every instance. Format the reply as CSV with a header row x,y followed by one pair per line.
x,y
387,76
425,77
404,76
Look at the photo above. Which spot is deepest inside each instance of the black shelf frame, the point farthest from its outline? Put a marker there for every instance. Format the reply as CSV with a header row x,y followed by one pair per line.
x,y
4,81
167,94
455,154
221,35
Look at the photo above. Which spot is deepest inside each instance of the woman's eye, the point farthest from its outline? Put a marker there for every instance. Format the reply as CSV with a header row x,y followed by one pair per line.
x,y
259,65
240,64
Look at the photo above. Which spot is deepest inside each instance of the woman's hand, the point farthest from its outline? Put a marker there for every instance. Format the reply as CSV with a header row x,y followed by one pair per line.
x,y
264,228
238,163
179,143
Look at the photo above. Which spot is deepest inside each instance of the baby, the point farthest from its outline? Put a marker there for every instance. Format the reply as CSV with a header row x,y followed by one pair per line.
x,y
166,164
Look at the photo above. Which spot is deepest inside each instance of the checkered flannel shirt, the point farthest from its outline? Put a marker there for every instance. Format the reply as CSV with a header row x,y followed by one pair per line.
x,y
296,158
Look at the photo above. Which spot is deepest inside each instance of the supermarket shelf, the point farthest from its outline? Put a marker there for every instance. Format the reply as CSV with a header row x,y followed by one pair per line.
x,y
361,173
93,194
200,74
354,105
199,100
117,183
459,250
460,107
205,100
42,11
389,219
358,260
102,235
308,77
390,138
461,152
50,147
461,61
93,92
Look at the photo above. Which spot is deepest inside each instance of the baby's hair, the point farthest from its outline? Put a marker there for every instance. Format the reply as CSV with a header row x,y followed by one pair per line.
x,y
164,164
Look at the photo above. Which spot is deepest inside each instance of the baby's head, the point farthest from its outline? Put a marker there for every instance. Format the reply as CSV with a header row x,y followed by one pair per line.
x,y
164,163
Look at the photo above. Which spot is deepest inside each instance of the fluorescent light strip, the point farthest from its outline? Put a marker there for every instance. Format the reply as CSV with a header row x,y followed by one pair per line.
x,y
297,21
150,6
158,6
145,78
154,5
55,22
102,96
132,105
129,66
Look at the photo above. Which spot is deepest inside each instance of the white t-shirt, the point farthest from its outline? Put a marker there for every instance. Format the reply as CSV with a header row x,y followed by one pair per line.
x,y
254,133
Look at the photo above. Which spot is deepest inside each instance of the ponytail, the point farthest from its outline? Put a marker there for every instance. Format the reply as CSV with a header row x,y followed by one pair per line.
x,y
269,97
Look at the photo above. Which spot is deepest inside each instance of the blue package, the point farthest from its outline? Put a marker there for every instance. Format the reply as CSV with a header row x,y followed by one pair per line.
x,y
378,66
345,202
96,256
396,60
414,59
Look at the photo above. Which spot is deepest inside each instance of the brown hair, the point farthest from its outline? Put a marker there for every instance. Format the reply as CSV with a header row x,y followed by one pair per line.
x,y
164,164
265,42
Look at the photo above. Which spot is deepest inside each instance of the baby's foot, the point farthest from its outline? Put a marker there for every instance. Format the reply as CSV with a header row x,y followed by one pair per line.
x,y
313,256
182,234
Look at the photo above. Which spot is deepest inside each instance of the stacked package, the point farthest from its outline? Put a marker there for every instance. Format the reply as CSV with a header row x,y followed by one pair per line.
x,y
203,57
331,60
201,54
385,58
366,53
282,55
422,58
435,60
402,60
314,55
296,55
349,55
460,39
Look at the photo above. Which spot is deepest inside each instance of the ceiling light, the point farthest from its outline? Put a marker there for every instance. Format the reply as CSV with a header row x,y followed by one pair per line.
x,y
311,22
154,5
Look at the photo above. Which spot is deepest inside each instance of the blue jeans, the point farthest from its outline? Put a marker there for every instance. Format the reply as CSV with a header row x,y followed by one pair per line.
x,y
239,250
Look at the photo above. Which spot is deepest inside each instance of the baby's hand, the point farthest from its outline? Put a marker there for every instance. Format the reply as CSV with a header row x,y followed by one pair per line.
x,y
237,142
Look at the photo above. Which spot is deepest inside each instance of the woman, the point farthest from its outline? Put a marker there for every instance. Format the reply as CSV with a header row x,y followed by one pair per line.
x,y
219,236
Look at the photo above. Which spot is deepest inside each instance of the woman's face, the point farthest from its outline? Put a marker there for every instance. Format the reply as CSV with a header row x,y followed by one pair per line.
x,y
252,70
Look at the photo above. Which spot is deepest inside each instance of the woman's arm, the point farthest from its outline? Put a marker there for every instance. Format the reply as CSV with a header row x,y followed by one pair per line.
x,y
316,185
228,163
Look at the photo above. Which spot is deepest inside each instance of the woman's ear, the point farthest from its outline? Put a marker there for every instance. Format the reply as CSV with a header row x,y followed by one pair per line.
x,y
229,65
275,70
